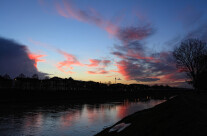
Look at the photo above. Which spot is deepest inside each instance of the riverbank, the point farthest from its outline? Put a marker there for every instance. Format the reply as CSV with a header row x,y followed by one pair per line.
x,y
14,96
183,115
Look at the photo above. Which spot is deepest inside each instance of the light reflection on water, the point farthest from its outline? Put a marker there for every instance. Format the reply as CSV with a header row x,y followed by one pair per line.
x,y
69,120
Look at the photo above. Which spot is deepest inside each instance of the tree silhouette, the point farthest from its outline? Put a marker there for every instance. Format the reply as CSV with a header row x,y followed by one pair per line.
x,y
21,76
202,77
70,78
35,76
191,58
6,76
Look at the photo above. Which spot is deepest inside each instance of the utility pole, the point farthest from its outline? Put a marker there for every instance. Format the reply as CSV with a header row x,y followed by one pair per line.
x,y
115,79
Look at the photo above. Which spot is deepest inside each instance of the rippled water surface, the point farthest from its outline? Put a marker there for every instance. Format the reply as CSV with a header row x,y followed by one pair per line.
x,y
68,119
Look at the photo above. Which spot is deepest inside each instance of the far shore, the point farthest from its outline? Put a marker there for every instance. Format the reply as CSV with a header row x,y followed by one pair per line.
x,y
48,96
183,115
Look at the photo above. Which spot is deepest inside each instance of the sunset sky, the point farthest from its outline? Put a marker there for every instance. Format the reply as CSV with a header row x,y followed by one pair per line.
x,y
98,40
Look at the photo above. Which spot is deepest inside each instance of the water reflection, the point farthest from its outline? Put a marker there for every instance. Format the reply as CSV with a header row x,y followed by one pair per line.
x,y
73,120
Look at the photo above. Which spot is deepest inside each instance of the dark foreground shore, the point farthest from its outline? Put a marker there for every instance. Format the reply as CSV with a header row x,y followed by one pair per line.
x,y
184,115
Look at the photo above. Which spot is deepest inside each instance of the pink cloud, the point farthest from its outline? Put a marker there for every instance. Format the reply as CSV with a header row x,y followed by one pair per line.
x,y
67,65
88,16
61,11
171,77
98,63
111,29
36,58
138,55
162,71
63,66
99,71
130,71
106,62
73,13
91,16
123,68
93,63
100,66
134,63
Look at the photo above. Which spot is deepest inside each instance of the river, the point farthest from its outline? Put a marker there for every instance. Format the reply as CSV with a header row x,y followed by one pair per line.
x,y
68,119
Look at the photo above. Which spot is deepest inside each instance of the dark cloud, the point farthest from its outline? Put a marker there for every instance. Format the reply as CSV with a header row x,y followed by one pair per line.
x,y
147,70
133,33
14,59
130,45
118,54
136,63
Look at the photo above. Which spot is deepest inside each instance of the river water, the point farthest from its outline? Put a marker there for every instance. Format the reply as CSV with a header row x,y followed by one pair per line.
x,y
68,119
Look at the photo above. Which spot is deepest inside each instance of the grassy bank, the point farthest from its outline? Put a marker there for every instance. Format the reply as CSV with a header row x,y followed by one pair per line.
x,y
184,115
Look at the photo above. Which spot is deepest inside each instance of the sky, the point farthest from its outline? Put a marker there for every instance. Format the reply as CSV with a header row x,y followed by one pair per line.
x,y
99,40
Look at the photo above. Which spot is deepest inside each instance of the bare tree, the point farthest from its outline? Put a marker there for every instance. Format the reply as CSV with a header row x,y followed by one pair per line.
x,y
191,58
